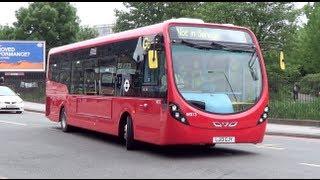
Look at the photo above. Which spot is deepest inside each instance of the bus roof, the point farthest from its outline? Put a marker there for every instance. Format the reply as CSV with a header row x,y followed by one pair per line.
x,y
152,29
146,30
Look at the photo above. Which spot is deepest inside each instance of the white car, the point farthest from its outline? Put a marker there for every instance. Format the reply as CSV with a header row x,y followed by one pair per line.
x,y
10,101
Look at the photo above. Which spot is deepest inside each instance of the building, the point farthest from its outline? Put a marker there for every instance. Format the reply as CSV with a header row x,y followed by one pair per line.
x,y
104,29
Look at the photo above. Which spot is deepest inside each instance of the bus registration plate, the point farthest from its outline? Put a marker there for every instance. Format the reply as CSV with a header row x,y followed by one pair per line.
x,y
225,139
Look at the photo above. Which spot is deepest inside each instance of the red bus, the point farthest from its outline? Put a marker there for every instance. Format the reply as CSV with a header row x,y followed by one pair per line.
x,y
172,83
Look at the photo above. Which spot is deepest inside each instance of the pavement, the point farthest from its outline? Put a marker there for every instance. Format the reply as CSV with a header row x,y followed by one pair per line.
x,y
34,107
281,127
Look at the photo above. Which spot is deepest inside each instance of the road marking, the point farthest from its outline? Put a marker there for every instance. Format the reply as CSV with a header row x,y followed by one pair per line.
x,y
312,165
269,146
15,123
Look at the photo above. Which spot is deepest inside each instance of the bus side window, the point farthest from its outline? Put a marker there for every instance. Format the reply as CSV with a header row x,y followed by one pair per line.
x,y
107,67
128,69
91,74
65,71
54,67
77,77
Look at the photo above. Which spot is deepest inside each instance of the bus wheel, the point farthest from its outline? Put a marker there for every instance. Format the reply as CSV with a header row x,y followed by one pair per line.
x,y
63,121
128,134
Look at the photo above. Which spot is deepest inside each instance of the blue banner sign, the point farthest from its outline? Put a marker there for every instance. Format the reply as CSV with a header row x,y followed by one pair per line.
x,y
22,55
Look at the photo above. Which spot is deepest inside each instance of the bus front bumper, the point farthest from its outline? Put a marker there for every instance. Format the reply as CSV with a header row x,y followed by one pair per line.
x,y
178,133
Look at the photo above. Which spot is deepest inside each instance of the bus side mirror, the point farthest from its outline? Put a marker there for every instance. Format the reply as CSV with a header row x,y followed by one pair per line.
x,y
282,64
153,59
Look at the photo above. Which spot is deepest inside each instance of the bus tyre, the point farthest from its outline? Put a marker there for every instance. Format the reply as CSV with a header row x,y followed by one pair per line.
x,y
63,122
128,134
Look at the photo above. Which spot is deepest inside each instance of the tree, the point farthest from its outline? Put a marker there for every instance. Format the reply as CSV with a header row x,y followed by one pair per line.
x,y
7,33
86,32
310,52
270,21
54,22
139,14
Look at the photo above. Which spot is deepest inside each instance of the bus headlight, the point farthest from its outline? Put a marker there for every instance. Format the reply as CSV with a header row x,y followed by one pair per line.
x,y
264,115
183,119
261,120
174,107
177,114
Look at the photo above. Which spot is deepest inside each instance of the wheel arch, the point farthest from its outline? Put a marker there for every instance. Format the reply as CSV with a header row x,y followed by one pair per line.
x,y
62,107
122,121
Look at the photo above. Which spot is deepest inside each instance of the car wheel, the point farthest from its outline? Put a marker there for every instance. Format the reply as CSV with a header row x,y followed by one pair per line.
x,y
64,122
128,134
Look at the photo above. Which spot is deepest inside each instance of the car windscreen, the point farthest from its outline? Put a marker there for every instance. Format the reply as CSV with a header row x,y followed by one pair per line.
x,y
5,91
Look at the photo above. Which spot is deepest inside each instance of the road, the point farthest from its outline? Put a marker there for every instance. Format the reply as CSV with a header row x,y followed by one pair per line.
x,y
33,147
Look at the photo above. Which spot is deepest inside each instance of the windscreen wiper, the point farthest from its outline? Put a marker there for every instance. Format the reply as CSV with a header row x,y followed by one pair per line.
x,y
234,95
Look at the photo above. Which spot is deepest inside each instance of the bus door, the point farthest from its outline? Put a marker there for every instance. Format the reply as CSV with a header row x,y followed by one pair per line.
x,y
96,105
151,86
83,91
147,109
106,91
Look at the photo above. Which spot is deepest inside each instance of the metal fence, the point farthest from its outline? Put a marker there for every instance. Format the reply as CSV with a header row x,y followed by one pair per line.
x,y
30,85
285,103
283,90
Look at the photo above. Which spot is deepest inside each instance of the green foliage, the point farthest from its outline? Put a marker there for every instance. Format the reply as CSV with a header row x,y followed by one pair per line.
x,y
86,32
281,81
270,21
7,33
310,84
35,95
54,22
141,14
295,110
304,48
309,45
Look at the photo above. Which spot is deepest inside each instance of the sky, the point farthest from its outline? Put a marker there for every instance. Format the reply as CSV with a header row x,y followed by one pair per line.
x,y
90,13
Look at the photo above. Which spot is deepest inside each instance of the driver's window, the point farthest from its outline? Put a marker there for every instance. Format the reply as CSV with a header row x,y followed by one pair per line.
x,y
155,80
